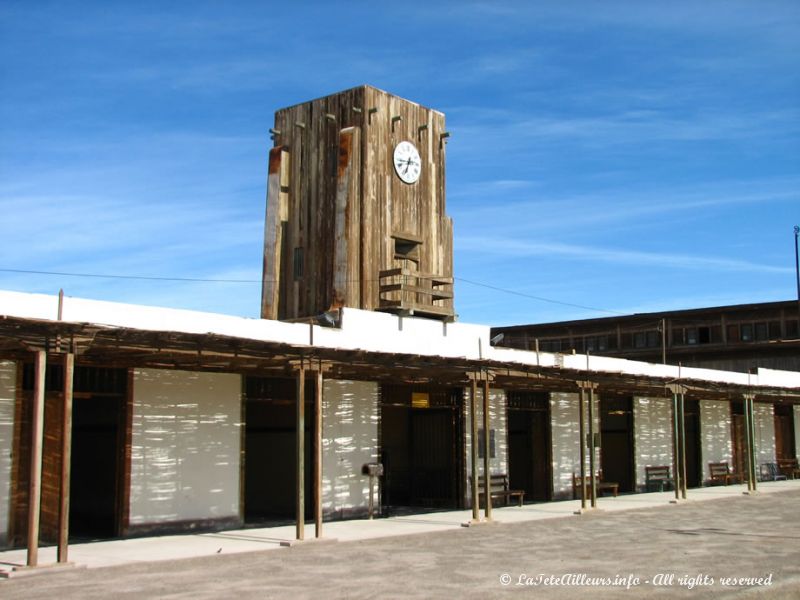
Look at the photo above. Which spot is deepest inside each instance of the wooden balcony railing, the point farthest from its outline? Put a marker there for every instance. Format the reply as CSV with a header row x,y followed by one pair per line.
x,y
411,292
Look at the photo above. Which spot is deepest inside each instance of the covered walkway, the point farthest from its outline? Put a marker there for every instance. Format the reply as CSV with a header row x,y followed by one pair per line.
x,y
172,547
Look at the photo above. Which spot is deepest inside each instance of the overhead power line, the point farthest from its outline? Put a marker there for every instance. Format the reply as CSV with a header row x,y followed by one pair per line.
x,y
253,281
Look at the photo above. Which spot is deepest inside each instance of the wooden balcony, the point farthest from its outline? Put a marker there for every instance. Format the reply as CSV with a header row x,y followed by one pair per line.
x,y
404,291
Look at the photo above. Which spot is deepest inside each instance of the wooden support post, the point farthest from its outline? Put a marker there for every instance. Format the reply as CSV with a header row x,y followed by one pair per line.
x,y
750,438
473,417
318,456
487,473
300,450
683,443
747,443
582,434
676,443
592,449
66,456
753,441
37,440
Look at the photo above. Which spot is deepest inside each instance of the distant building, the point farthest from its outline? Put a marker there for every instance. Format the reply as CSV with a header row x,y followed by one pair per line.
x,y
730,338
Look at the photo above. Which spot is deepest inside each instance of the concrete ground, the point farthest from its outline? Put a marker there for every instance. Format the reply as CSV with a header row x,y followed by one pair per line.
x,y
719,543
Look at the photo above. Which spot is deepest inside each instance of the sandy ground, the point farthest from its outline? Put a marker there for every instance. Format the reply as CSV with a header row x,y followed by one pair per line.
x,y
684,551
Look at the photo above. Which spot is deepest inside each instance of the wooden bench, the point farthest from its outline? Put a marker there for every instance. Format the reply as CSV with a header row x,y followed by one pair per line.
x,y
788,466
720,473
498,488
770,472
601,485
657,478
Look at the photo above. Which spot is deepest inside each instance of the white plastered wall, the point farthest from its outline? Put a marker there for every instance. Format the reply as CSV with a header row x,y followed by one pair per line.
x,y
765,432
497,421
715,433
185,457
8,383
565,427
350,439
652,421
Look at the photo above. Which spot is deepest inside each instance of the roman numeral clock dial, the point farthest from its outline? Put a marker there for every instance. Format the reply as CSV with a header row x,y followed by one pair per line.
x,y
407,163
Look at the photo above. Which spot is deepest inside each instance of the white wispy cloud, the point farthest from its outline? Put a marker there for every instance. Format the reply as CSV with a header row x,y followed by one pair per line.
x,y
523,248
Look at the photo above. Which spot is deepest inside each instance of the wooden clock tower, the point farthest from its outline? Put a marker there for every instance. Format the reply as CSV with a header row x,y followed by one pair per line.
x,y
356,209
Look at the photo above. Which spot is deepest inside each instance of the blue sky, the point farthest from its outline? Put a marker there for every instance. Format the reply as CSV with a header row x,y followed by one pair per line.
x,y
620,156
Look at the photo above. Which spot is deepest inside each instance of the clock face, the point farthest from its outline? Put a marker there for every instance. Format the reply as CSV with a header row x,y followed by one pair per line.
x,y
407,163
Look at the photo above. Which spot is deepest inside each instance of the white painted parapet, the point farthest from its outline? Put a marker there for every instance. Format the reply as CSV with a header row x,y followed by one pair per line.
x,y
185,457
369,331
8,390
350,439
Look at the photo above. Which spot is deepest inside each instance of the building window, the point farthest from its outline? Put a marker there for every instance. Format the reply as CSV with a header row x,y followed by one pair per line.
x,y
653,339
746,331
550,345
761,332
639,339
691,335
597,343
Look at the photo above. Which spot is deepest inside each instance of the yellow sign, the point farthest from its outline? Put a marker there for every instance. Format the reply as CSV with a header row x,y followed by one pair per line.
x,y
420,400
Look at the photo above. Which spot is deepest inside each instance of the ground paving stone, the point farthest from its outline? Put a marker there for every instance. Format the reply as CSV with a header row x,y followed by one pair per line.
x,y
660,551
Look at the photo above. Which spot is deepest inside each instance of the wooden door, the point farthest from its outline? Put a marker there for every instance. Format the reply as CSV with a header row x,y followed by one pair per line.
x,y
432,458
529,455
616,425
784,432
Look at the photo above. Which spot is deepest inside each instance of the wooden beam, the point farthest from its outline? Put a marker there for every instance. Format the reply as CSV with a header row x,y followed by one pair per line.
x,y
66,455
582,435
346,267
35,485
487,473
300,450
592,451
473,448
318,456
277,180
676,441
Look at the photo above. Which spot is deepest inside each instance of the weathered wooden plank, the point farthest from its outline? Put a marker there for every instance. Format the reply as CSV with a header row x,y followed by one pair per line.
x,y
436,294
273,232
342,256
35,481
66,456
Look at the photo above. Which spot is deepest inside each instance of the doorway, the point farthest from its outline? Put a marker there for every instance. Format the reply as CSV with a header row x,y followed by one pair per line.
x,y
270,449
96,448
97,463
784,432
691,424
422,446
616,432
739,438
529,454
